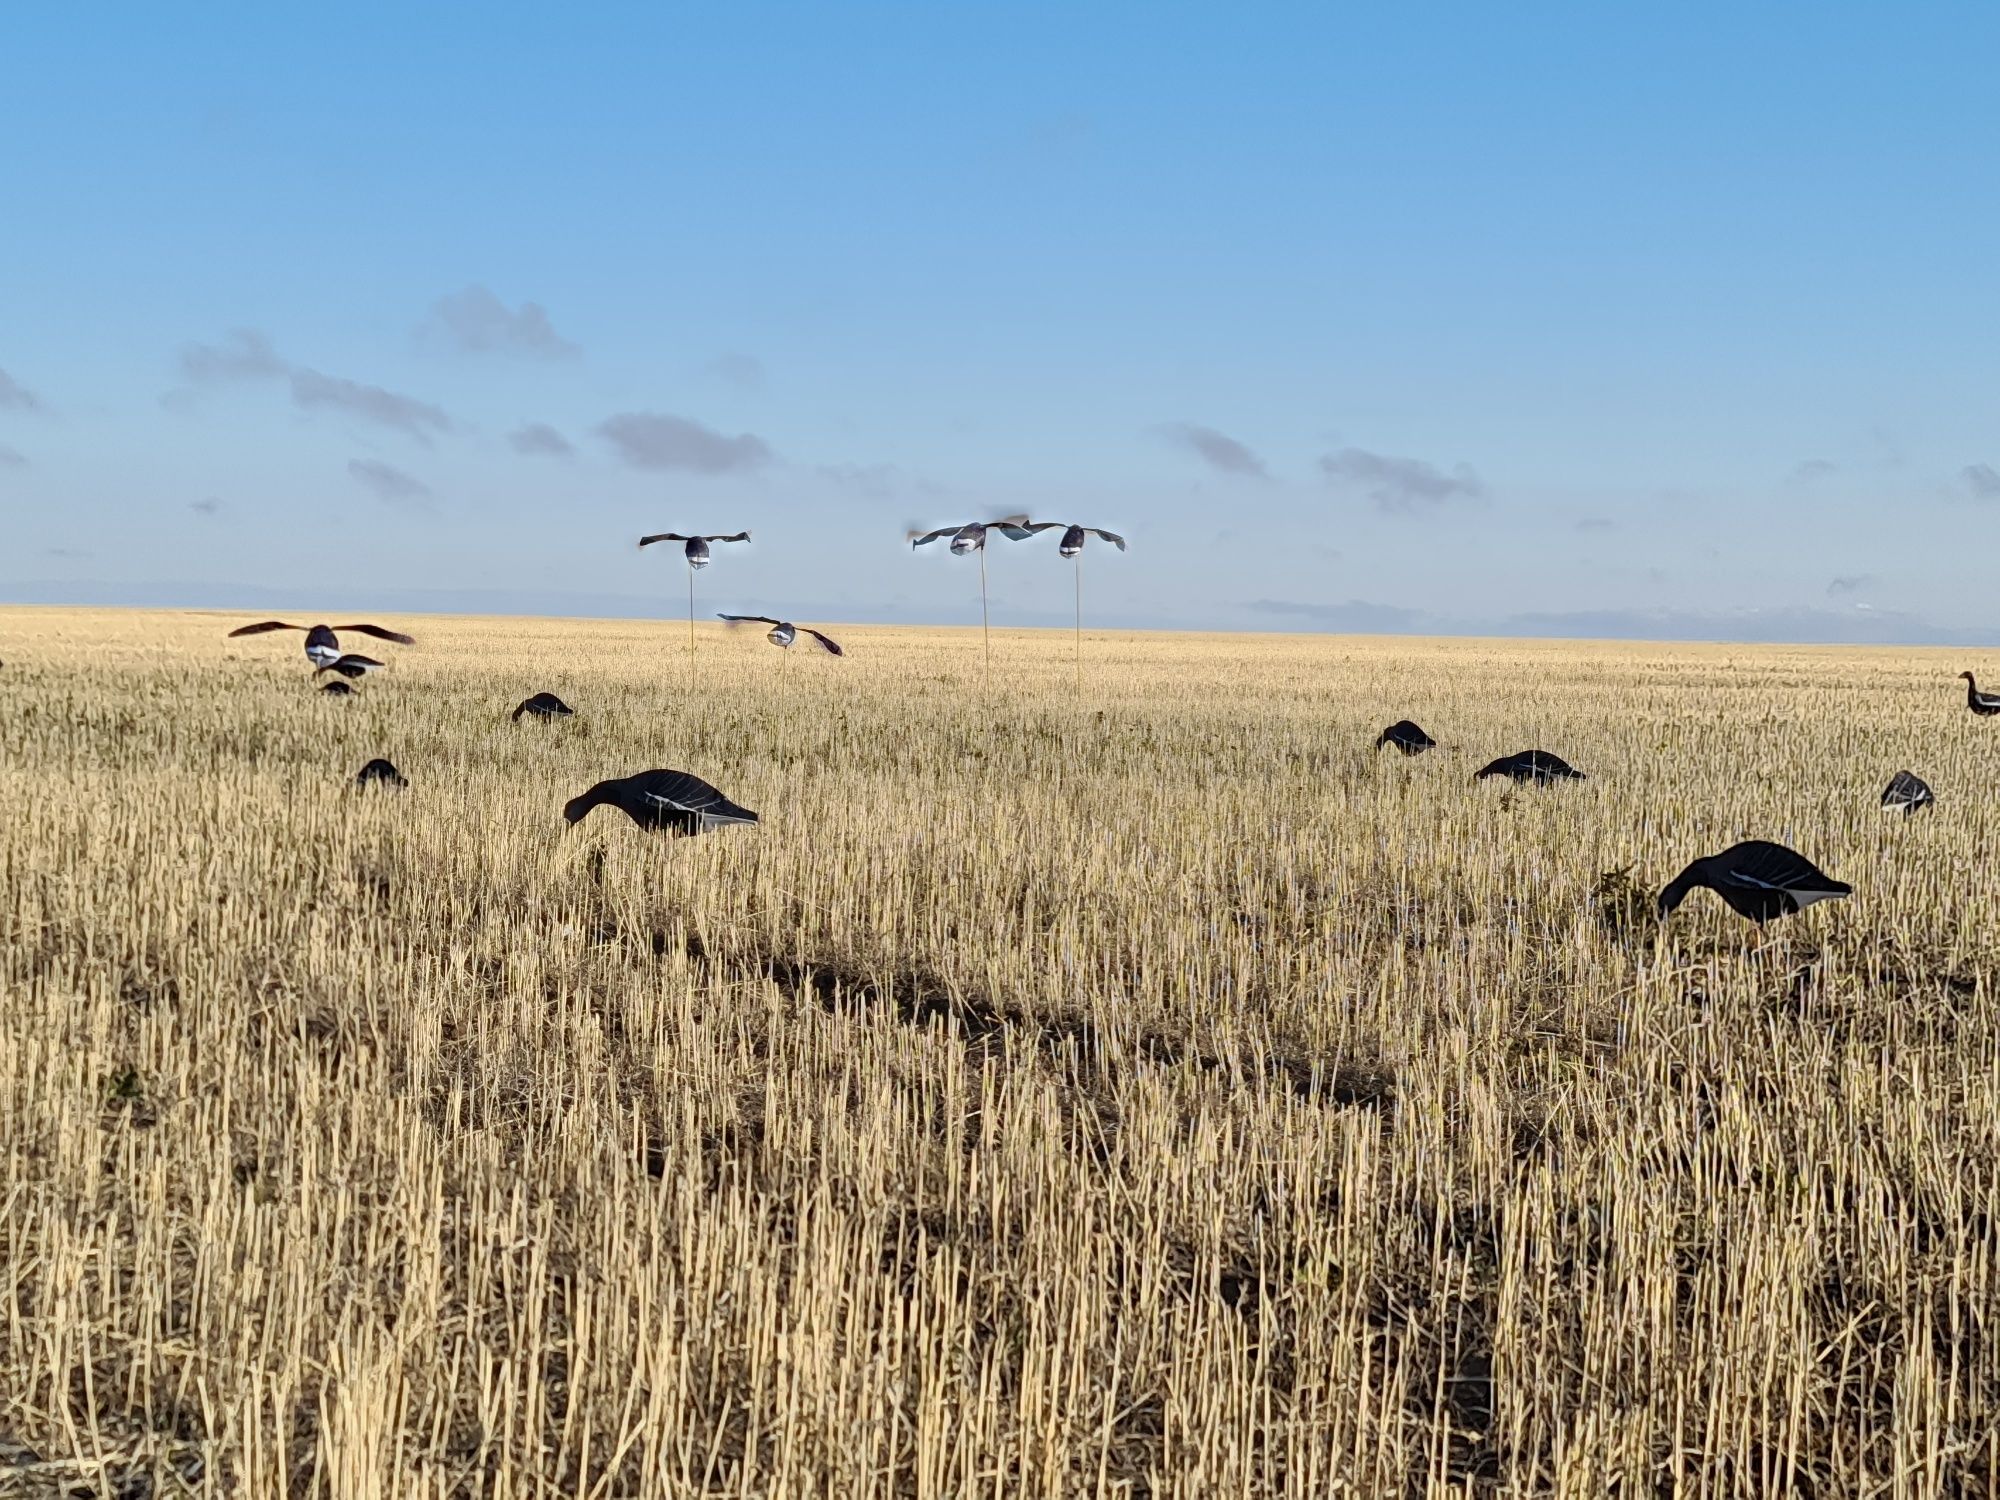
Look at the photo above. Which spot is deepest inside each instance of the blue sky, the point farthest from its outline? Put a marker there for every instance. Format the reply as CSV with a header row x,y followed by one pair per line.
x,y
1560,320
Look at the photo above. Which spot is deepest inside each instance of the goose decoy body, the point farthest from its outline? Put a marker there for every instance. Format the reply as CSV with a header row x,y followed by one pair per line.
x,y
1406,737
542,706
971,537
350,664
322,643
1908,791
1984,704
1538,766
697,546
1759,880
338,690
664,801
379,772
784,632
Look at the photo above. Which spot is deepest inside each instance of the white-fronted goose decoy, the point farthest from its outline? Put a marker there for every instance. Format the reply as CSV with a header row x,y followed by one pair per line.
x,y
665,801
322,644
1538,766
1406,737
1984,704
784,632
1759,880
542,706
697,546
379,772
1908,791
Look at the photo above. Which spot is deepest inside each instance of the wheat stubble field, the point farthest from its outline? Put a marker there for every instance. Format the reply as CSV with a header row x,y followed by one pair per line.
x,y
1152,1091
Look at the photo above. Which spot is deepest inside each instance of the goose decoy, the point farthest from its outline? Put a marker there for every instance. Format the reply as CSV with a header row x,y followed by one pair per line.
x,y
350,664
542,706
379,772
1409,739
1538,766
1908,791
1759,880
322,644
697,546
784,632
665,801
971,537
338,690
1984,704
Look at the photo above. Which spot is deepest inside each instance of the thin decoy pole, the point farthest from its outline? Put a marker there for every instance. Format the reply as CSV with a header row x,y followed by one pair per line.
x,y
985,620
690,629
1079,620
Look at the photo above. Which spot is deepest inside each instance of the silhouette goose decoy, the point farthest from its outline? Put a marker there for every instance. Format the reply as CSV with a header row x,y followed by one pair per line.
x,y
784,632
379,772
338,690
697,546
1406,737
542,706
350,664
1984,704
1538,766
322,643
1759,880
1908,791
663,801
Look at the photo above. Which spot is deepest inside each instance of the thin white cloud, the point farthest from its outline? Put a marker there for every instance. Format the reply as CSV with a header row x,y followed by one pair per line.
x,y
1404,485
475,321
658,440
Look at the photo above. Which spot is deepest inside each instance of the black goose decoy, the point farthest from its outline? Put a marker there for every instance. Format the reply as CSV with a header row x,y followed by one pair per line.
x,y
1406,737
542,706
1759,880
379,772
1984,704
666,801
1073,536
784,632
1908,791
350,664
971,537
338,690
697,546
1538,766
322,644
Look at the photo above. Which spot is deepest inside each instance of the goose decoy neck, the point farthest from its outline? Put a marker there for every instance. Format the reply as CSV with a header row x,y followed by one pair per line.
x,y
576,807
1676,890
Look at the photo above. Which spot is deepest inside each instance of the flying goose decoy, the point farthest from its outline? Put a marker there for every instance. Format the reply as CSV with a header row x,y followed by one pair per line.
x,y
322,645
1538,766
971,537
379,772
1759,880
665,801
338,690
784,632
1073,536
1408,738
350,664
1908,791
542,706
1984,704
697,546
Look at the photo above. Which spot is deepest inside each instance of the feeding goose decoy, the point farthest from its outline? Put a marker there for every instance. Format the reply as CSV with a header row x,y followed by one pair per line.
x,y
379,772
322,643
1908,791
542,706
784,632
697,546
350,664
1407,737
338,690
666,801
1538,766
1759,880
1983,704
